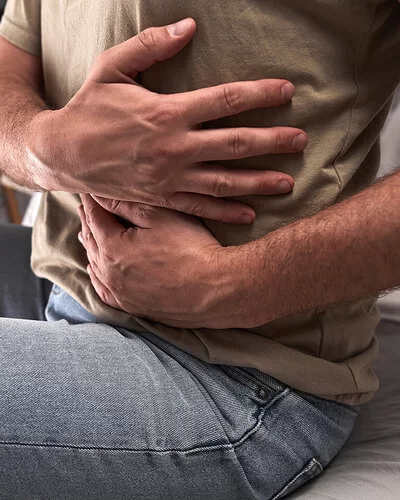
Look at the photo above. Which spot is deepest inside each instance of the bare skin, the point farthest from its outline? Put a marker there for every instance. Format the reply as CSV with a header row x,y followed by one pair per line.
x,y
171,269
120,141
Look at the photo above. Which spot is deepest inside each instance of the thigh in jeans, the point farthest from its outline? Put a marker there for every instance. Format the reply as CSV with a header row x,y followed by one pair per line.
x,y
90,411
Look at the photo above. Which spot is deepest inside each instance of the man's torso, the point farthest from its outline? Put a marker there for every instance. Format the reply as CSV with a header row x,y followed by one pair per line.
x,y
344,59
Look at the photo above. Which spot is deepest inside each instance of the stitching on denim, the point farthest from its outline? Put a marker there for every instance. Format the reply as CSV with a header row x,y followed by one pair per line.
x,y
239,464
213,406
226,446
241,374
312,470
166,349
278,397
195,379
250,381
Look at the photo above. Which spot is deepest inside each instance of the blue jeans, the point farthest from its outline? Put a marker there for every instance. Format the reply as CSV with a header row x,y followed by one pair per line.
x,y
91,411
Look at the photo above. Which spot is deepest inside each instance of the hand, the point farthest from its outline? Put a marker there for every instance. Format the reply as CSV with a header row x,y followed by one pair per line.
x,y
118,140
168,267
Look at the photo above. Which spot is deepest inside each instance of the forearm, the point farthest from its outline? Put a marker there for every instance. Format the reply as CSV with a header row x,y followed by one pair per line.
x,y
20,87
349,251
20,104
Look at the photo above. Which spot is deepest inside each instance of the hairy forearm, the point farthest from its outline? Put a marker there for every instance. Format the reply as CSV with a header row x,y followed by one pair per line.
x,y
349,251
20,104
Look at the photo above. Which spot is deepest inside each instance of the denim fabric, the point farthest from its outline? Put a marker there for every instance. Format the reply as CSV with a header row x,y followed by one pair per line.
x,y
91,411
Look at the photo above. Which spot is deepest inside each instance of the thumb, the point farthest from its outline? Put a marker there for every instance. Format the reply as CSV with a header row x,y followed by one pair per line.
x,y
101,223
142,51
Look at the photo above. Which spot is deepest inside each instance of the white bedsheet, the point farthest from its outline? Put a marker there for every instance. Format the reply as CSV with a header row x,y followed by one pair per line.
x,y
368,468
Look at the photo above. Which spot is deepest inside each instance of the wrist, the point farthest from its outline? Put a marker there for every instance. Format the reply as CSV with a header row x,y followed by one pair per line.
x,y
235,299
42,141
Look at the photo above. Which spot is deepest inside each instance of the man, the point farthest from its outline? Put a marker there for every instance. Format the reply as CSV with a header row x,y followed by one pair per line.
x,y
227,299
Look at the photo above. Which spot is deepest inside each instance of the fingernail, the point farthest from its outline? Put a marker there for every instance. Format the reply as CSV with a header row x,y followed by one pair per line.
x,y
80,237
284,187
247,219
300,142
288,90
180,28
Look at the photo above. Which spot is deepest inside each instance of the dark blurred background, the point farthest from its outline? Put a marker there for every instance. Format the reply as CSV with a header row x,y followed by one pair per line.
x,y
2,4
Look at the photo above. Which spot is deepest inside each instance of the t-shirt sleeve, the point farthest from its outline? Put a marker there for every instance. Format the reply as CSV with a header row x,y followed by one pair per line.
x,y
20,24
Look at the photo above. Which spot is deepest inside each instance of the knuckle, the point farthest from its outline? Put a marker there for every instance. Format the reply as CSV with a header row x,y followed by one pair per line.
x,y
112,283
160,153
103,294
95,267
223,186
279,141
167,112
238,145
115,282
147,38
145,212
88,217
109,262
89,214
160,112
268,94
165,155
115,206
104,59
233,98
196,209
103,268
264,186
87,236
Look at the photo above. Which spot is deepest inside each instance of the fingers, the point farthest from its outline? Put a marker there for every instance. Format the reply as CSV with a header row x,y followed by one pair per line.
x,y
140,214
222,182
89,242
102,291
230,99
142,51
230,212
237,143
101,224
86,237
147,216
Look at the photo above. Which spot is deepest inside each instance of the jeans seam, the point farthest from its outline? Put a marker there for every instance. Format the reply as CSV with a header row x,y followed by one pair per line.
x,y
230,445
207,397
246,378
309,472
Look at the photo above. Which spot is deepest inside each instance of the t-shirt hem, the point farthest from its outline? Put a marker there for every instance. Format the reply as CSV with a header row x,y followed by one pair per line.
x,y
20,37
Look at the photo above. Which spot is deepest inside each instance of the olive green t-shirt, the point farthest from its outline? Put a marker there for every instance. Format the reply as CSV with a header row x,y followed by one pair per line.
x,y
344,58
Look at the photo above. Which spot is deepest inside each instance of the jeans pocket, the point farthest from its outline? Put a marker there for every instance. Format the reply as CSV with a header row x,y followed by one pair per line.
x,y
310,471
